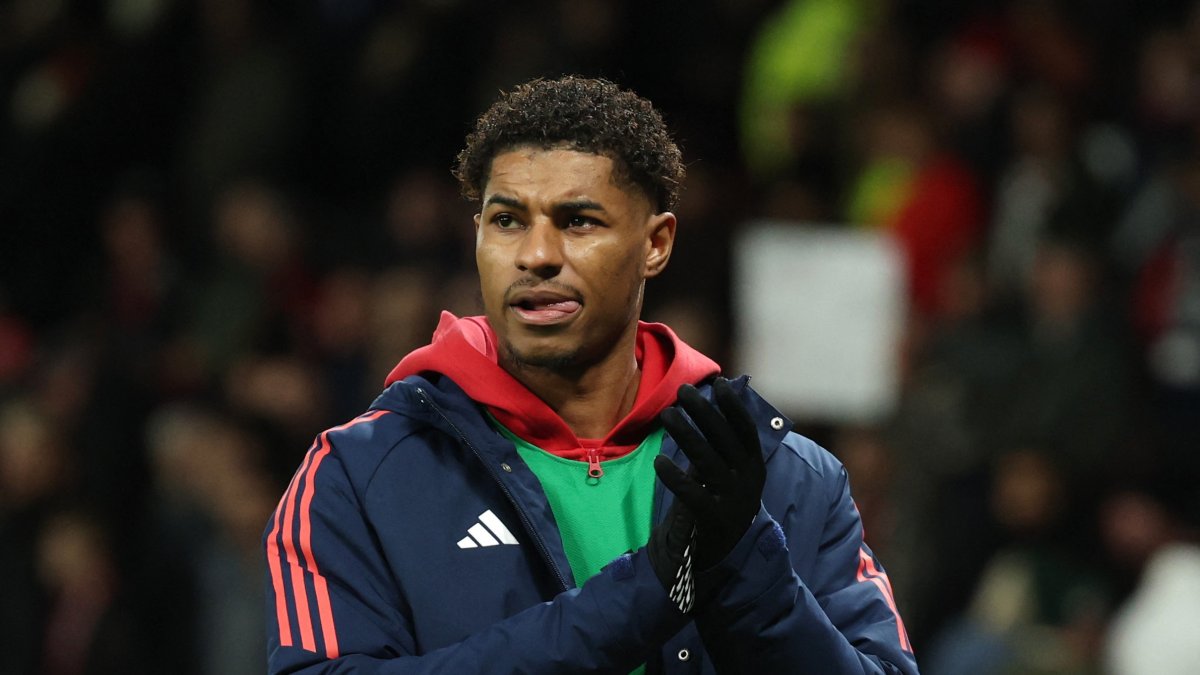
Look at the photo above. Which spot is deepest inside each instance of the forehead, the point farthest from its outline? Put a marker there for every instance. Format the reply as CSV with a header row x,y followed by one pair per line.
x,y
558,173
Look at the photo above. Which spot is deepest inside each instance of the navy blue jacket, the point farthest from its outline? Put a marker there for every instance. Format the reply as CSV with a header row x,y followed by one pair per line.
x,y
414,539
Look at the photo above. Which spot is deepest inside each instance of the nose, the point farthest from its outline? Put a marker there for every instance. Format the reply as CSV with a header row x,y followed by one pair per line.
x,y
540,251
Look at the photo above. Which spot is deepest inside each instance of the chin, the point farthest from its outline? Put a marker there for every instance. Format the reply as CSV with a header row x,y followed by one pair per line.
x,y
520,357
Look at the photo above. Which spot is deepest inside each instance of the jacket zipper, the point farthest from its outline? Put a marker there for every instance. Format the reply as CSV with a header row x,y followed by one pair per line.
x,y
537,538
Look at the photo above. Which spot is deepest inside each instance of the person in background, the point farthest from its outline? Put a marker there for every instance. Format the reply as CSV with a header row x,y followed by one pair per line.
x,y
1151,530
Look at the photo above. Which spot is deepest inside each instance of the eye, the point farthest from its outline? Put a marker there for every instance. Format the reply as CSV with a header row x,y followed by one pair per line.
x,y
577,222
505,221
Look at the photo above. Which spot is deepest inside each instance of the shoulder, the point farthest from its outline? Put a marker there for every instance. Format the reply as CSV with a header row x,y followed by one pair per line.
x,y
399,419
810,456
781,444
801,474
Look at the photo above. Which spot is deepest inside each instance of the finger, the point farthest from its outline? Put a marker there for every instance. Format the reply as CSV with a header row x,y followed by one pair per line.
x,y
681,523
739,419
707,463
712,424
679,515
686,490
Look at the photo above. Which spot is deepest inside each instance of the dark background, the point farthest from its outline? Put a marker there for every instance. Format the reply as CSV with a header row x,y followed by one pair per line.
x,y
222,222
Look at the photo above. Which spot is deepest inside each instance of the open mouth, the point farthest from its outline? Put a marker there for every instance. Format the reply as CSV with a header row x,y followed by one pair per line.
x,y
545,312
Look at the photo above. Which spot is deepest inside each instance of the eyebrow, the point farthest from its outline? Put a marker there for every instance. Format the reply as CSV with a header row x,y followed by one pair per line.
x,y
579,205
504,201
570,205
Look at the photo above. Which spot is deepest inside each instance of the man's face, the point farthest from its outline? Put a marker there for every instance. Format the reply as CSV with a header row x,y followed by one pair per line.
x,y
563,252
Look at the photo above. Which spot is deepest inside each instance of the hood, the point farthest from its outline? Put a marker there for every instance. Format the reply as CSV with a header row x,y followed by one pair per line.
x,y
464,349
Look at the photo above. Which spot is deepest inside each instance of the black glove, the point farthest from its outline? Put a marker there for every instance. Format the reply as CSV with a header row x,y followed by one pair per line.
x,y
670,549
722,489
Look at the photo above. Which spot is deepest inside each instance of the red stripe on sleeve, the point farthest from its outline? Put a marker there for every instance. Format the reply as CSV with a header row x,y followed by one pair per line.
x,y
320,587
303,613
867,571
322,591
286,516
273,563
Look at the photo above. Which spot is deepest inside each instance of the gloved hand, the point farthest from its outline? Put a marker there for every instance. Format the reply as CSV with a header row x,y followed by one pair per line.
x,y
670,548
722,489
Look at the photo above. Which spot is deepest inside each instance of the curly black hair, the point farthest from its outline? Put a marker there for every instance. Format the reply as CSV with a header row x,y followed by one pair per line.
x,y
588,115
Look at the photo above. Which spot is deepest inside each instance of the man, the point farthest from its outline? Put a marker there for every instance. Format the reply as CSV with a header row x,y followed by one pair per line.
x,y
496,509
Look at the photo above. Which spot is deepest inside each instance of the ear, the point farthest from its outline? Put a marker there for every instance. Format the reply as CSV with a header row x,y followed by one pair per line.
x,y
660,237
477,217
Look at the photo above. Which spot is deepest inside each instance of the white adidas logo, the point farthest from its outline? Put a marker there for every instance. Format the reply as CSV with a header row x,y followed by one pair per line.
x,y
489,531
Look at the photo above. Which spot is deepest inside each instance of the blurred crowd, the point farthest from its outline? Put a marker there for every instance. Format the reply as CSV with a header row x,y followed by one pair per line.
x,y
223,221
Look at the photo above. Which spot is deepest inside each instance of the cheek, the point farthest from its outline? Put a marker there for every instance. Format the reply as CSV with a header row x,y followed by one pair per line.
x,y
618,273
490,277
615,262
488,256
632,267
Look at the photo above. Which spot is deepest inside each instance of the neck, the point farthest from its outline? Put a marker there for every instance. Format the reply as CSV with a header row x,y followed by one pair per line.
x,y
590,399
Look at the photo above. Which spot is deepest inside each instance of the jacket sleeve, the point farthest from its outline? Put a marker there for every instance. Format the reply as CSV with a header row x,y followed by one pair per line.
x,y
333,608
841,619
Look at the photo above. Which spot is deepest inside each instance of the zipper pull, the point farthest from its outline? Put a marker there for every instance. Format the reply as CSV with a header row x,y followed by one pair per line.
x,y
594,470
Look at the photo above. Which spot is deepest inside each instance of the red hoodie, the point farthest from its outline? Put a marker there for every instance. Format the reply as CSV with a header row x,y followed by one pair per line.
x,y
465,351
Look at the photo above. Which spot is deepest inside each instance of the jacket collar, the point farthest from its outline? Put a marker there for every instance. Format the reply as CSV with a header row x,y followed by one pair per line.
x,y
464,417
